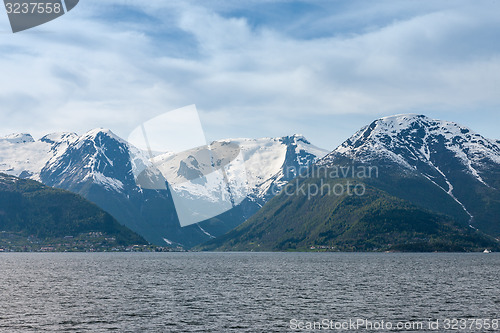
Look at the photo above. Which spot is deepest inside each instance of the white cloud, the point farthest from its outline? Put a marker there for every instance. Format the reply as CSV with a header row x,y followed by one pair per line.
x,y
90,69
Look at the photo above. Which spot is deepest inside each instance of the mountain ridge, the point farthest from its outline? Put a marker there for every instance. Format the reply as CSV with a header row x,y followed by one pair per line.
x,y
31,209
441,171
105,169
457,160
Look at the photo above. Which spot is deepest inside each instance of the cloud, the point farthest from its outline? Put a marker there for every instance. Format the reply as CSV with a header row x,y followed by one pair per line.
x,y
250,72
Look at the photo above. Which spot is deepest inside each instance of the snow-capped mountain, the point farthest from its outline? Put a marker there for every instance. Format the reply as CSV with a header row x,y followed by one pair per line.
x,y
98,157
107,170
267,164
411,139
296,154
454,159
207,181
22,156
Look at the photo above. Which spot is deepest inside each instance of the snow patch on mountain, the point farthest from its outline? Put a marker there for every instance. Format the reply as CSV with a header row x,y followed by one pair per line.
x,y
450,191
21,156
205,232
261,165
215,177
17,138
59,138
140,160
107,182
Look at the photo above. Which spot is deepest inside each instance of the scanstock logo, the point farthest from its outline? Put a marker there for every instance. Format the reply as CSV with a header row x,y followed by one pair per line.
x,y
26,14
204,179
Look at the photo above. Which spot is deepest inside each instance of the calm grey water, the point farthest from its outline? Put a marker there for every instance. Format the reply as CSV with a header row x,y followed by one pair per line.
x,y
241,292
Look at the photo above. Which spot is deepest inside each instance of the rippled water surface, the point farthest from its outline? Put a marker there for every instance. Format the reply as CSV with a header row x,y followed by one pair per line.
x,y
239,292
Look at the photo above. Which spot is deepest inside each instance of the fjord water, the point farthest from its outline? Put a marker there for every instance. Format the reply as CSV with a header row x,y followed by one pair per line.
x,y
239,292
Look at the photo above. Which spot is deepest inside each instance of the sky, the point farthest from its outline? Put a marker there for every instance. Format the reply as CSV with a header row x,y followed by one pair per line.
x,y
253,68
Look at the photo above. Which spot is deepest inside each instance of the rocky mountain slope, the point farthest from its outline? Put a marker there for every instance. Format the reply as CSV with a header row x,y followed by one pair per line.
x,y
427,185
374,221
112,173
425,155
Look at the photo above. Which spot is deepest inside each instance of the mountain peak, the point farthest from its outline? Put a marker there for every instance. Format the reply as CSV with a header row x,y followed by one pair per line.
x,y
97,131
59,137
404,116
413,122
18,138
294,139
396,135
97,134
401,122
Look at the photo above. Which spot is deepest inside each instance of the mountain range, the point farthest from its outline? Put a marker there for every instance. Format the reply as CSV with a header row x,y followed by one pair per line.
x,y
404,182
106,170
426,185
